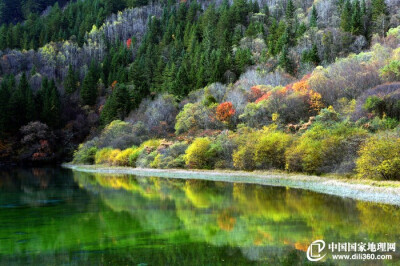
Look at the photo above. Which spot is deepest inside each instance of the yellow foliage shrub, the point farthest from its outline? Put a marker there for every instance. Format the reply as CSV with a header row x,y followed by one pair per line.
x,y
380,158
270,150
102,156
107,156
196,154
122,159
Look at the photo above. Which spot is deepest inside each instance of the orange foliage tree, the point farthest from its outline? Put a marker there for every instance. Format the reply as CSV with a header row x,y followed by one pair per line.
x,y
225,111
301,88
256,93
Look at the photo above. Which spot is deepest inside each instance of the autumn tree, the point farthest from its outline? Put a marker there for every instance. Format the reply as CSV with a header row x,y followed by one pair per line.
x,y
225,111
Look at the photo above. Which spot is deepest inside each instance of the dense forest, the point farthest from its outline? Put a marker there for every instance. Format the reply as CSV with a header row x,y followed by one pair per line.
x,y
306,86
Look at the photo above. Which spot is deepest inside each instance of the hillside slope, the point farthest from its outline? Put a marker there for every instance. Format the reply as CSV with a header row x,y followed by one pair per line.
x,y
175,70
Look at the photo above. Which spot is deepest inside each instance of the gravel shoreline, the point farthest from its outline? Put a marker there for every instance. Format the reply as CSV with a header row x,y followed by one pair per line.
x,y
343,188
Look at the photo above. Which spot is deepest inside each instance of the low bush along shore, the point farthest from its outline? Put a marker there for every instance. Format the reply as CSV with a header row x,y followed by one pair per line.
x,y
340,148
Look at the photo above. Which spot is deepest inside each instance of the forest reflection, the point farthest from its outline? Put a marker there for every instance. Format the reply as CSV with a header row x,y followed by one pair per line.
x,y
62,216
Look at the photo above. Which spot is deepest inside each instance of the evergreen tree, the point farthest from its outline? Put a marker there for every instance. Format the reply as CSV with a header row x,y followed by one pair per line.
x,y
346,17
312,55
255,7
266,11
27,99
365,19
117,106
291,24
290,10
314,17
71,81
49,98
89,86
378,16
285,61
378,8
5,94
356,25
239,11
22,107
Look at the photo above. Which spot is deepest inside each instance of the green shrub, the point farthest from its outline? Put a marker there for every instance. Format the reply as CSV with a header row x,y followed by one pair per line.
x,y
118,135
178,162
327,115
145,154
391,72
171,157
196,116
145,159
133,156
380,158
383,123
375,104
156,163
85,154
325,149
256,115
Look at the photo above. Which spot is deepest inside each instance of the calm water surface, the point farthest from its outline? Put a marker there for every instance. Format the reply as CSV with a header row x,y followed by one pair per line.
x,y
61,217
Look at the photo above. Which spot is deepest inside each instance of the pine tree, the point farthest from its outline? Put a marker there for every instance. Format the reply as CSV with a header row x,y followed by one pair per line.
x,y
71,81
266,11
22,108
51,107
291,24
27,99
117,106
285,62
313,55
5,93
290,10
365,19
356,26
378,8
89,86
346,17
314,17
378,16
239,11
255,7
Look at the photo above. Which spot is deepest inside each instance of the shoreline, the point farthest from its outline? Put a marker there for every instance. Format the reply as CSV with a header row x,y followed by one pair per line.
x,y
386,192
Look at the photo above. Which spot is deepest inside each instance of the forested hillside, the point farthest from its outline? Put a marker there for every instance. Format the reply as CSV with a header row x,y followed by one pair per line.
x,y
306,81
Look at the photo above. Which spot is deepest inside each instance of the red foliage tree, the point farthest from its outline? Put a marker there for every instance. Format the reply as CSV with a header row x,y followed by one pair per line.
x,y
225,111
129,43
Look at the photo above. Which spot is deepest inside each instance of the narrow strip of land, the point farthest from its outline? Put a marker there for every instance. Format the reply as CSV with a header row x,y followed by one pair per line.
x,y
366,190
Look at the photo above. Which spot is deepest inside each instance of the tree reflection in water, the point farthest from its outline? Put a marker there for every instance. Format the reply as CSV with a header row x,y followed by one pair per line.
x,y
65,216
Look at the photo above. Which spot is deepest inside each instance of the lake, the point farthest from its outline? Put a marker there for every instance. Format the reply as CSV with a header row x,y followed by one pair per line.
x,y
54,216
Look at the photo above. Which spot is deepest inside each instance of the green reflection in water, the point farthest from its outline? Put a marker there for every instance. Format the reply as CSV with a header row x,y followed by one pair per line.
x,y
53,216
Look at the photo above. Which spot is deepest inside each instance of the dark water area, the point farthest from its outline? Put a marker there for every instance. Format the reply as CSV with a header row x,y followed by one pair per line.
x,y
54,216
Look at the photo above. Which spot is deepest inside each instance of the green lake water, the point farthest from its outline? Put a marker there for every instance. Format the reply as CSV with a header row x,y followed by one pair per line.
x,y
64,217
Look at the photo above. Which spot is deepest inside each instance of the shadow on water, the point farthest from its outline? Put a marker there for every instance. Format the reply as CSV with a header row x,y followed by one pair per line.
x,y
56,216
